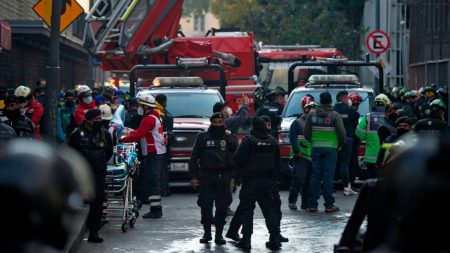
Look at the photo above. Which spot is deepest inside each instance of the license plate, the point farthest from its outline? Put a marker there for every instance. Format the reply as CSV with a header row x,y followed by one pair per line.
x,y
179,167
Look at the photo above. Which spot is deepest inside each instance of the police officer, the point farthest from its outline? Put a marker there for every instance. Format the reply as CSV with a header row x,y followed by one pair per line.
x,y
95,144
273,108
259,164
434,124
210,168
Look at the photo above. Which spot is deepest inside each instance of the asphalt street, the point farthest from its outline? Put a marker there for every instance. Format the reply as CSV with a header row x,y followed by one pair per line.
x,y
180,230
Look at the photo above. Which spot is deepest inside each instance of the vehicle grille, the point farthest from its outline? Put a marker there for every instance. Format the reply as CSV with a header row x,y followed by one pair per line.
x,y
184,139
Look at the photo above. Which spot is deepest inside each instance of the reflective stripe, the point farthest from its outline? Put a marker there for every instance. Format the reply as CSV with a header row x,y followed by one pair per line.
x,y
155,203
323,144
322,128
155,197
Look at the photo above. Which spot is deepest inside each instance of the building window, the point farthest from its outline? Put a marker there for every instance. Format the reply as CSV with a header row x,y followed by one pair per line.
x,y
199,22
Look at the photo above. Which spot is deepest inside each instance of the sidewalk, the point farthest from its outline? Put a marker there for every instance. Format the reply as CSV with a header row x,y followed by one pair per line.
x,y
78,228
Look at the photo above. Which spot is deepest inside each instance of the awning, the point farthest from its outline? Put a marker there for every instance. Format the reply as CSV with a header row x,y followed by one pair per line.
x,y
5,35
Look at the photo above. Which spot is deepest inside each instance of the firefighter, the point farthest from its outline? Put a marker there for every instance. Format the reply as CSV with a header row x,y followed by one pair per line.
x,y
210,168
301,156
95,144
150,134
434,124
31,108
325,130
273,108
259,163
367,130
20,123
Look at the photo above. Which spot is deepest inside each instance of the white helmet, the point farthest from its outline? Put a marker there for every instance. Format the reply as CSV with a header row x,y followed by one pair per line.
x,y
22,91
146,98
106,112
84,91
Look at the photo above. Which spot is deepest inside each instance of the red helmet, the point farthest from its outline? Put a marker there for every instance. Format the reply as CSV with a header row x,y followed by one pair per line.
x,y
355,98
306,99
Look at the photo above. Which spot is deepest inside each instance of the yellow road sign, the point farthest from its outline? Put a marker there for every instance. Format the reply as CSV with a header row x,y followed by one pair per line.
x,y
70,10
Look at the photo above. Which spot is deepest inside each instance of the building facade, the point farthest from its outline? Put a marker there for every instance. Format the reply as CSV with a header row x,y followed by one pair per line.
x,y
429,57
26,60
198,25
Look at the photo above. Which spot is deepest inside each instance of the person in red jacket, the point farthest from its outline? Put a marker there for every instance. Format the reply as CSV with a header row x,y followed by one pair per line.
x,y
31,108
85,103
150,134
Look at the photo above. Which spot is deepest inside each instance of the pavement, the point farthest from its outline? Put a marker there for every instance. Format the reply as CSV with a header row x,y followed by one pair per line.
x,y
180,230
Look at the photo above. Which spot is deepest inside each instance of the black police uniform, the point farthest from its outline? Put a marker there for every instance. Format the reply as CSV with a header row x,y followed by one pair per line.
x,y
211,164
97,148
273,110
258,162
431,126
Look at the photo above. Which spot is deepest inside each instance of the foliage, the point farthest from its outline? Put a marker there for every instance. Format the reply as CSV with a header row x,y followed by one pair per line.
x,y
329,23
195,7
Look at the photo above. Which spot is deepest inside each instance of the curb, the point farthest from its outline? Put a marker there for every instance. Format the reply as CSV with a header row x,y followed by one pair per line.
x,y
78,231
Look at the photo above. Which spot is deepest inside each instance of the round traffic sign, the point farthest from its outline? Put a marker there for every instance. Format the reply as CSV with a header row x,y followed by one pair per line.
x,y
378,42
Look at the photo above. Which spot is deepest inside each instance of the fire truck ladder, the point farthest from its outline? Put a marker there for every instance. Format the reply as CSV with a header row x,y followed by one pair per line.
x,y
104,25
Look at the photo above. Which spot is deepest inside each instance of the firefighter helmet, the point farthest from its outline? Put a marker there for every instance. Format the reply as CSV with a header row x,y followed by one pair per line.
x,y
438,104
382,100
355,98
306,99
84,91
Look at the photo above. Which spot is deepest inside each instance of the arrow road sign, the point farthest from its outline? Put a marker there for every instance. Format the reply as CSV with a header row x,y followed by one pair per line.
x,y
70,10
378,42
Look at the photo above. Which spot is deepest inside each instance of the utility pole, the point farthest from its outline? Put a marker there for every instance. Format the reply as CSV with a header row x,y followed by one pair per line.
x,y
377,27
53,75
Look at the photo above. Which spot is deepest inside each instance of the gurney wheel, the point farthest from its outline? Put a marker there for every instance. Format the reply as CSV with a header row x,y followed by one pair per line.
x,y
125,227
138,204
132,222
136,213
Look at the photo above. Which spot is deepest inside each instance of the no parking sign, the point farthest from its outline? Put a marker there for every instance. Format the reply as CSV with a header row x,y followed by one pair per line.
x,y
378,42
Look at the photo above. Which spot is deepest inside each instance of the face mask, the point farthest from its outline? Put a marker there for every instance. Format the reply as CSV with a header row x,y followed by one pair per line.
x,y
87,100
69,103
140,110
349,102
217,130
401,131
97,125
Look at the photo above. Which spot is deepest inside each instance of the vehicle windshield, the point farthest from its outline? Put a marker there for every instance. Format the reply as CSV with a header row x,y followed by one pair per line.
x,y
191,105
293,108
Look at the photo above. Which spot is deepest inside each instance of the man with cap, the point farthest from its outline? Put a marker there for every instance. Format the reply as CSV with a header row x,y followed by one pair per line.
x,y
150,134
233,123
64,115
99,100
210,167
258,163
95,144
273,108
85,103
325,130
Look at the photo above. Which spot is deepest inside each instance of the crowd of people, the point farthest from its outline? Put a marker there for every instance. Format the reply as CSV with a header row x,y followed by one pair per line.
x,y
325,140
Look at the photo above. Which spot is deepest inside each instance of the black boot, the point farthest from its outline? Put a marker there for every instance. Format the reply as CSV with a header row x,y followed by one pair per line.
x,y
233,235
283,239
219,238
207,235
244,243
274,242
93,237
155,213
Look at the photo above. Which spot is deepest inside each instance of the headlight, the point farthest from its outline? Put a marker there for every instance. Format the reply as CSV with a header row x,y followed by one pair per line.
x,y
283,138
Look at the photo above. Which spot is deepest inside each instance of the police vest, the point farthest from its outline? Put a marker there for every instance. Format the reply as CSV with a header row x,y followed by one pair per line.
x,y
261,159
215,153
323,131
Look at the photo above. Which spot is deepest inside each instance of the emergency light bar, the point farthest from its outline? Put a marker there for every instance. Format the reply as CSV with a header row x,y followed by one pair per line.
x,y
333,79
190,62
177,81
